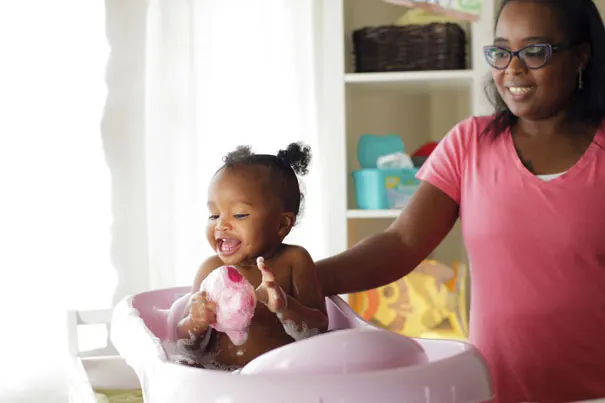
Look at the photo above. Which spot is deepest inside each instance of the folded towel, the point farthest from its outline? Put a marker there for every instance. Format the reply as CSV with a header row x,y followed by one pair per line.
x,y
119,396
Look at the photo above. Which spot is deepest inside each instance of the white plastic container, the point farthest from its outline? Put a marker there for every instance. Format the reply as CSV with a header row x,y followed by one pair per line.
x,y
98,369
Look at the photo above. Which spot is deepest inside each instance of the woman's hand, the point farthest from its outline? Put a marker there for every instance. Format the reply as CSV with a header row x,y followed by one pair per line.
x,y
269,292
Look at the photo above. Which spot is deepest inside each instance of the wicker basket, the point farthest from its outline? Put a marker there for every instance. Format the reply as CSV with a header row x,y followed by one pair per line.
x,y
436,46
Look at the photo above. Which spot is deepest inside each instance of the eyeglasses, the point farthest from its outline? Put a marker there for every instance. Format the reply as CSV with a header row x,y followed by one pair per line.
x,y
532,56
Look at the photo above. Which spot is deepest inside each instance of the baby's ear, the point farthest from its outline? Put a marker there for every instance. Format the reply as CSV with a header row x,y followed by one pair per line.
x,y
286,222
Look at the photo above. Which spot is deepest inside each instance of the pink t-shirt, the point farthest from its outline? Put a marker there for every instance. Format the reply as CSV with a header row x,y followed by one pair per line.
x,y
537,261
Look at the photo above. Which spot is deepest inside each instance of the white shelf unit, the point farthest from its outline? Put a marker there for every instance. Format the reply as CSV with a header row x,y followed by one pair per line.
x,y
413,81
373,214
420,106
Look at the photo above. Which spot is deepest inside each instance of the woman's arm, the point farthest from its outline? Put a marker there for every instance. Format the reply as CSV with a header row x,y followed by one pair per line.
x,y
388,256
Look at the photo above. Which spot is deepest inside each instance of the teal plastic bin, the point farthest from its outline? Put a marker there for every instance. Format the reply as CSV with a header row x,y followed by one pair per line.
x,y
379,189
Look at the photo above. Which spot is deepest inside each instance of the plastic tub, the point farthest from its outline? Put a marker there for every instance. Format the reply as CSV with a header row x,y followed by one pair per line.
x,y
350,364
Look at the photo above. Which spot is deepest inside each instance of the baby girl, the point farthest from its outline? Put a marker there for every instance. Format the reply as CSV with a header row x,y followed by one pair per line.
x,y
253,201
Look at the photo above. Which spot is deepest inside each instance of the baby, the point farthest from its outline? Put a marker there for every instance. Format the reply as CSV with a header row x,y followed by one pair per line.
x,y
254,201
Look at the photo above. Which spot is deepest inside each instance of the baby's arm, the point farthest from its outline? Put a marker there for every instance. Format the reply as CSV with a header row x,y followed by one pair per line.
x,y
194,334
305,312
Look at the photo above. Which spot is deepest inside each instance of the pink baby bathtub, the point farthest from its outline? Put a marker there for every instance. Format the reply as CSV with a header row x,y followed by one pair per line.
x,y
355,362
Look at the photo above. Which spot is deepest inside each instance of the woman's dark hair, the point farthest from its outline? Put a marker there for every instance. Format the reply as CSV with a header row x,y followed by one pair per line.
x,y
284,168
581,23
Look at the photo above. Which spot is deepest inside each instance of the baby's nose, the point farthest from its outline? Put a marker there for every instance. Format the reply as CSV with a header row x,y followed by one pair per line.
x,y
223,224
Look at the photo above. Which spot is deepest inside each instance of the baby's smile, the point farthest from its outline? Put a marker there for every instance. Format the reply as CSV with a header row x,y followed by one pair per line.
x,y
227,247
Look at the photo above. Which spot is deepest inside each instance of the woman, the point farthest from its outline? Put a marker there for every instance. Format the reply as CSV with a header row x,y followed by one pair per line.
x,y
528,184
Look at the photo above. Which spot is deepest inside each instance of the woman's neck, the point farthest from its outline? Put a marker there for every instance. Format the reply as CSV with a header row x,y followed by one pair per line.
x,y
557,128
558,125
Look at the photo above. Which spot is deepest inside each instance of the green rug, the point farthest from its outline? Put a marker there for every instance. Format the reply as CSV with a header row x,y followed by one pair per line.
x,y
119,396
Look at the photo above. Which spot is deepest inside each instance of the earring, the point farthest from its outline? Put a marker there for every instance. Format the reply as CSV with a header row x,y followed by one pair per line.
x,y
580,77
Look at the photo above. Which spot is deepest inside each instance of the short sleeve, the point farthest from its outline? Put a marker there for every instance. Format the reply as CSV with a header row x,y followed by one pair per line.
x,y
443,169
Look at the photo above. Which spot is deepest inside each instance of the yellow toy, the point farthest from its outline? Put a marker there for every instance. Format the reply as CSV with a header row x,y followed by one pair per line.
x,y
429,302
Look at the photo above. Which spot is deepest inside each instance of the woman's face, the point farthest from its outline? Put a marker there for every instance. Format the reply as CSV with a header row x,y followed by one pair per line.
x,y
535,94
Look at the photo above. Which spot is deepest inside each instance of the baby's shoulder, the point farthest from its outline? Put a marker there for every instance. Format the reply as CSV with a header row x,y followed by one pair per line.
x,y
295,255
207,266
293,251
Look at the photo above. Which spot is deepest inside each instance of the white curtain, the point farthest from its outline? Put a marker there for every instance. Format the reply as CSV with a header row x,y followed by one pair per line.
x,y
219,74
55,205
114,116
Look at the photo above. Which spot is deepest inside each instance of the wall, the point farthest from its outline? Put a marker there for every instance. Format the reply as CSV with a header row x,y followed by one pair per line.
x,y
417,116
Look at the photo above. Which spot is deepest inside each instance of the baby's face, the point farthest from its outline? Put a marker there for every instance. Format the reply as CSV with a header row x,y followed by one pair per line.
x,y
244,216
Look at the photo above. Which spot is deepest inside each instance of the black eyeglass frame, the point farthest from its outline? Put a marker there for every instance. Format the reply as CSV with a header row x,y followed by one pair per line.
x,y
551,49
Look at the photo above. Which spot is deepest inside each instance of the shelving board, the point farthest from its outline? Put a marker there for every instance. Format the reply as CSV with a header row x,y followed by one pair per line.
x,y
369,214
411,80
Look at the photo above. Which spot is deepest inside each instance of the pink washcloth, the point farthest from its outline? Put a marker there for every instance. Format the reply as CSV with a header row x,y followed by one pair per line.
x,y
235,300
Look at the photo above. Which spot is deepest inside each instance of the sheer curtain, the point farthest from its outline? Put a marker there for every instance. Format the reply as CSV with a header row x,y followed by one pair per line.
x,y
55,205
219,74
114,117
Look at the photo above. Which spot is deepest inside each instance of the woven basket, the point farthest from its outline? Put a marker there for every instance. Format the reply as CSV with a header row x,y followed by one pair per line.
x,y
436,46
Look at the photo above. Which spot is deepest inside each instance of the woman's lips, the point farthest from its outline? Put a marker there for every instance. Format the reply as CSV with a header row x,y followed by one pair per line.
x,y
520,92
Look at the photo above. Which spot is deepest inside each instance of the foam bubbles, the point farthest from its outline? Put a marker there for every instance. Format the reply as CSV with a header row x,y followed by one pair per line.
x,y
299,333
179,353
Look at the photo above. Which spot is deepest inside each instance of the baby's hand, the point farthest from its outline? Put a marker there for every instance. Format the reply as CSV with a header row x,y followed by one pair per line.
x,y
202,311
269,292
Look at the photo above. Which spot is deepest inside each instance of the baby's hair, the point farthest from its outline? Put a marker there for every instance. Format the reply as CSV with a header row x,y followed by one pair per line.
x,y
285,166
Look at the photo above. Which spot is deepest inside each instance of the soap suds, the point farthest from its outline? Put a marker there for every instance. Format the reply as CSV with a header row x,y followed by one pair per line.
x,y
193,340
297,333
203,363
213,365
181,353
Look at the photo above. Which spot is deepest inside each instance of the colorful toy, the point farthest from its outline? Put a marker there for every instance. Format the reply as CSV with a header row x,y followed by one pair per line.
x,y
425,150
430,302
235,300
